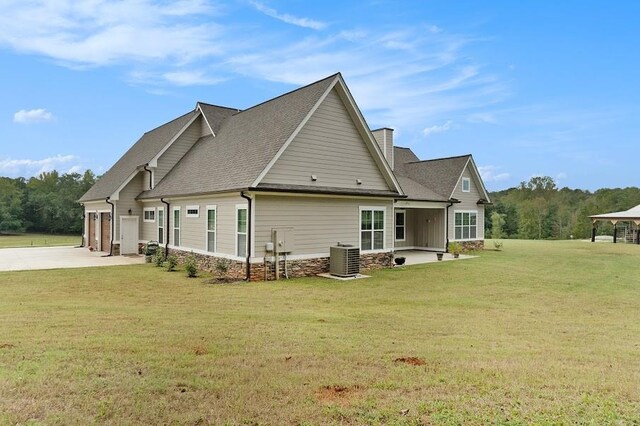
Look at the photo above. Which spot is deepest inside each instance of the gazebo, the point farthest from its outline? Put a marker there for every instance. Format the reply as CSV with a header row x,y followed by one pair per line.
x,y
631,216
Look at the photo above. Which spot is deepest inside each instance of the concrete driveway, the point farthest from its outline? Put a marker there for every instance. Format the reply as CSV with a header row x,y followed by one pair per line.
x,y
31,258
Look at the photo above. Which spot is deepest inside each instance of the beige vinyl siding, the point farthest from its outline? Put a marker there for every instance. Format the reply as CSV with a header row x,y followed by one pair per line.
x,y
178,149
384,137
330,147
149,230
127,200
193,231
468,202
318,222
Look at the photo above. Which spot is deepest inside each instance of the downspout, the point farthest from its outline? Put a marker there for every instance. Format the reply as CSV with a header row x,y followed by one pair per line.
x,y
84,228
249,200
113,225
166,242
150,175
446,227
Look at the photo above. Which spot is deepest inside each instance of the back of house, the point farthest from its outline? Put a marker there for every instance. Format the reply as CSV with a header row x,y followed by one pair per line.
x,y
272,188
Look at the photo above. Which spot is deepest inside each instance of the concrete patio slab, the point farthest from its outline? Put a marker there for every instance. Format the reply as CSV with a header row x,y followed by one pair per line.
x,y
417,257
32,258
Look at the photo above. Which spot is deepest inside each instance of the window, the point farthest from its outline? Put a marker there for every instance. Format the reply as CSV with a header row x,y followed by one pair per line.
x,y
400,225
211,228
160,225
176,226
241,231
371,228
193,211
466,225
149,214
466,185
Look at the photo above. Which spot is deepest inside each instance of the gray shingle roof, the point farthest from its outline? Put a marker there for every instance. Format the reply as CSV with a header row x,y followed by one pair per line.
x,y
139,154
244,145
215,115
421,179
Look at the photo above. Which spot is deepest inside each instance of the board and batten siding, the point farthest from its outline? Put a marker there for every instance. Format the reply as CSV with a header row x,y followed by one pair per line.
x,y
468,202
318,222
127,200
424,229
193,231
329,147
178,149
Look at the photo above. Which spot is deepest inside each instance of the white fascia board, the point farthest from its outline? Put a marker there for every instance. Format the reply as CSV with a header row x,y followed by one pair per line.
x,y
204,117
361,122
116,194
154,161
284,147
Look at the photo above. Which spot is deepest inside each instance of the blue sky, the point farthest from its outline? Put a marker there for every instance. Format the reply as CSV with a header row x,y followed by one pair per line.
x,y
529,88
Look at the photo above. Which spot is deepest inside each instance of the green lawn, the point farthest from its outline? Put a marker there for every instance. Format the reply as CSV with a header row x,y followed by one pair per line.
x,y
38,240
542,332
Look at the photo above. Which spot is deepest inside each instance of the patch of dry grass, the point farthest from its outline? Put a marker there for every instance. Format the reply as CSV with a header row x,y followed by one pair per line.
x,y
542,332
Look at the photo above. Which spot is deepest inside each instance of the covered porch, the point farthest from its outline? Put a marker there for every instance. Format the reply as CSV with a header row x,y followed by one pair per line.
x,y
420,226
626,225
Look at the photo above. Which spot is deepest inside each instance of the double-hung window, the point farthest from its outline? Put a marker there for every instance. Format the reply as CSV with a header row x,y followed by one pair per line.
x,y
176,226
160,225
241,231
401,216
211,228
149,214
371,228
466,225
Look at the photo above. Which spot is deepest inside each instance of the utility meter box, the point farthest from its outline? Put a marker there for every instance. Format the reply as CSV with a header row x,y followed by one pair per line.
x,y
283,240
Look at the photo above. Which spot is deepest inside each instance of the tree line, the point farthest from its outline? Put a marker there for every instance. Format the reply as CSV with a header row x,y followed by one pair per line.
x,y
46,203
537,209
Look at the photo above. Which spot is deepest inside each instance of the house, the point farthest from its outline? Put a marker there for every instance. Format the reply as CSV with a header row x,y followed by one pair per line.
x,y
302,171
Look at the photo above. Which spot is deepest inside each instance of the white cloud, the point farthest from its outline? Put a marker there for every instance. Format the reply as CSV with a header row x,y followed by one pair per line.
x,y
39,115
289,19
190,78
561,175
492,173
428,131
31,167
482,117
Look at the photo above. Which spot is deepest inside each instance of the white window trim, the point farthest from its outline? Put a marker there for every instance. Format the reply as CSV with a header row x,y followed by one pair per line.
x,y
468,181
187,214
144,216
161,224
395,225
384,229
454,225
215,230
240,207
174,227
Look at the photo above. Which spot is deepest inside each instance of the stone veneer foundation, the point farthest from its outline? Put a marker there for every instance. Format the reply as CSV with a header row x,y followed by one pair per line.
x,y
472,245
295,268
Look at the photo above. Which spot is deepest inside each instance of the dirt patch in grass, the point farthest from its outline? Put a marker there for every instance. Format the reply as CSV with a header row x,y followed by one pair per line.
x,y
337,394
411,360
7,345
199,350
224,281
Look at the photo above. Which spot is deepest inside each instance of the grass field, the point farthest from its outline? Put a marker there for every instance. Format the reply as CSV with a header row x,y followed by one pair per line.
x,y
38,240
542,332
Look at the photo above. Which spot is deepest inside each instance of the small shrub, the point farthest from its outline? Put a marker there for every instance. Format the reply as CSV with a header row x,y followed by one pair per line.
x,y
222,267
455,248
190,267
158,258
497,245
172,262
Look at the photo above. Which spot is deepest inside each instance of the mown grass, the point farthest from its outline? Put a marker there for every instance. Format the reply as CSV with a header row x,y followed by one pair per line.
x,y
38,240
542,332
